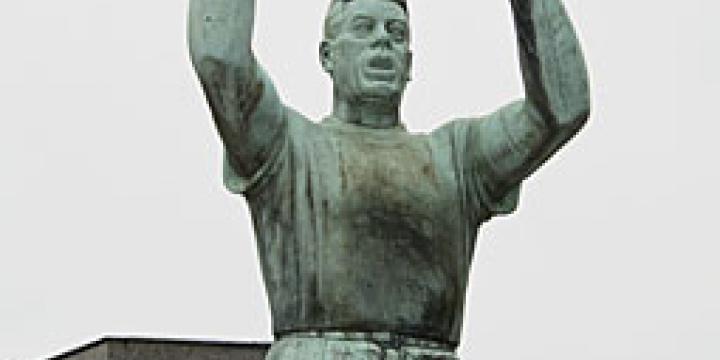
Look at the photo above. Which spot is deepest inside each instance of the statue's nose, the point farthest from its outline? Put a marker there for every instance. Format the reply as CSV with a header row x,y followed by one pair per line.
x,y
382,38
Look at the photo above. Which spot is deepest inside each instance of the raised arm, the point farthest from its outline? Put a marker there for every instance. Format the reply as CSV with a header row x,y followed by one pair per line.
x,y
514,141
245,107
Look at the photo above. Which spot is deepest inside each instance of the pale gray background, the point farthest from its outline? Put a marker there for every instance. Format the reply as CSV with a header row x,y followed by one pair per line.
x,y
113,219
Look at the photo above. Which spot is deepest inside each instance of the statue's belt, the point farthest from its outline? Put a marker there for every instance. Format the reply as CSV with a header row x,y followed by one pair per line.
x,y
384,340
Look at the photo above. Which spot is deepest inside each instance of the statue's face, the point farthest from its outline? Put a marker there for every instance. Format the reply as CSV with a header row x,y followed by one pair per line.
x,y
370,56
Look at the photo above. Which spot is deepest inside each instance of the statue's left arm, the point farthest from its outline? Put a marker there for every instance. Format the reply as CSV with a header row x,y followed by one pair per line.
x,y
514,141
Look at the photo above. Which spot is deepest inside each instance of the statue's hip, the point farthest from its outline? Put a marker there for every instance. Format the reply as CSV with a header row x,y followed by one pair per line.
x,y
332,345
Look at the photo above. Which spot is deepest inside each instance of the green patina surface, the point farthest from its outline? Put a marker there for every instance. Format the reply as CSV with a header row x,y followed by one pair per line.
x,y
363,227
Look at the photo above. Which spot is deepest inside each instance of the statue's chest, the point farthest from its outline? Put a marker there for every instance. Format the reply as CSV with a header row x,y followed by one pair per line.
x,y
391,237
389,176
390,189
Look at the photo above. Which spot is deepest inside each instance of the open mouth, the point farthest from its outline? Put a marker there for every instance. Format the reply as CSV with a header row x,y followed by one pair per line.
x,y
382,63
381,67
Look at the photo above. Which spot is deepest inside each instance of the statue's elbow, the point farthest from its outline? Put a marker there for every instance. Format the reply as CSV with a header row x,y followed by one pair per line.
x,y
582,117
576,117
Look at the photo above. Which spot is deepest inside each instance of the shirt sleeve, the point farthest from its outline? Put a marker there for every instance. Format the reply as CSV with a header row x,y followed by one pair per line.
x,y
276,152
484,192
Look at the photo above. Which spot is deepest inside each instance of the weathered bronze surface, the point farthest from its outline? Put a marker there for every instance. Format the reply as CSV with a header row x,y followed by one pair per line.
x,y
366,231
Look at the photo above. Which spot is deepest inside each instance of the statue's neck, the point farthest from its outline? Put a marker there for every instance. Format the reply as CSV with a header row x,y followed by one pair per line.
x,y
372,113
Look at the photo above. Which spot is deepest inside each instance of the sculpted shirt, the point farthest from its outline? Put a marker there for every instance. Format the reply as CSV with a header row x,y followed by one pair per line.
x,y
373,230
368,229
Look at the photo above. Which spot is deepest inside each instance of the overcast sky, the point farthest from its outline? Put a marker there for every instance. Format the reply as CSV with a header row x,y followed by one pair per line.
x,y
113,219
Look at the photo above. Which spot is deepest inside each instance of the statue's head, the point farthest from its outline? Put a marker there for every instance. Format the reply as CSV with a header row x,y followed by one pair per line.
x,y
366,48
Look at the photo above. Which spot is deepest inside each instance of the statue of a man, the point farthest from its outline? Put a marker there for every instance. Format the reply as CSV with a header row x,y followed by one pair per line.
x,y
365,231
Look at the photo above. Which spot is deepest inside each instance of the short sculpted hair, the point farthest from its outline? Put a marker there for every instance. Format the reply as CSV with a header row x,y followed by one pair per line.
x,y
334,17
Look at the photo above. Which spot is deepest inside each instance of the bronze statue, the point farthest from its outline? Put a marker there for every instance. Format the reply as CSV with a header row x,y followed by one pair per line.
x,y
365,231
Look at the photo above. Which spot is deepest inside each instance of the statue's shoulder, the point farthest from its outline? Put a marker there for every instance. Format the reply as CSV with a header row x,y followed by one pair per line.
x,y
297,123
452,129
292,115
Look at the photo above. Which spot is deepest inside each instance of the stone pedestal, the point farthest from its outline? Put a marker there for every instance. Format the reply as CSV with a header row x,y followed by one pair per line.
x,y
128,348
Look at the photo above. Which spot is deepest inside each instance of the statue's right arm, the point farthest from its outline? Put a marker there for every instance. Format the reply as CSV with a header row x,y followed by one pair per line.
x,y
245,107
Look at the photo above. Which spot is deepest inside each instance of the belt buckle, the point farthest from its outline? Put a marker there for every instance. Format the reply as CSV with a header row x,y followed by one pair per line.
x,y
390,341
392,347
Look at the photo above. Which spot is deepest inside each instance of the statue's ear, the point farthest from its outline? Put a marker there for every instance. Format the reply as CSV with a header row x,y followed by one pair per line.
x,y
326,58
408,66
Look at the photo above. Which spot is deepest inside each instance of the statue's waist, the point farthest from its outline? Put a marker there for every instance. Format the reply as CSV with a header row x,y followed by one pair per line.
x,y
358,345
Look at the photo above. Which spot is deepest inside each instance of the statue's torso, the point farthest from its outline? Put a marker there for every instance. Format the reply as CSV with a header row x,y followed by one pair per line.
x,y
364,230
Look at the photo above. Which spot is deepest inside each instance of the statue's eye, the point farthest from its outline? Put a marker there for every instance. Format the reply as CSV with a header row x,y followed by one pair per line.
x,y
362,26
397,31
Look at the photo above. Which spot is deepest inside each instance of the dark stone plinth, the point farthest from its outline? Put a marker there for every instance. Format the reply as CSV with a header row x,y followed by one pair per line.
x,y
128,348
